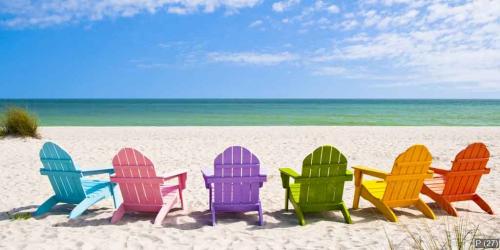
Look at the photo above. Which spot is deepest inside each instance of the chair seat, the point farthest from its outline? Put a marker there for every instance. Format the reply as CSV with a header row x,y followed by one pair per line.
x,y
436,184
167,189
92,186
169,193
375,188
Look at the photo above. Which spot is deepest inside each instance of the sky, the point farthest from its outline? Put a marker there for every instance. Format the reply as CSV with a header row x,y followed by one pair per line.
x,y
249,49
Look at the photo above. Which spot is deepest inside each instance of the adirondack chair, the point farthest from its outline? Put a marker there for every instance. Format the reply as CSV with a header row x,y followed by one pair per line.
x,y
69,184
321,184
460,183
234,182
142,189
400,188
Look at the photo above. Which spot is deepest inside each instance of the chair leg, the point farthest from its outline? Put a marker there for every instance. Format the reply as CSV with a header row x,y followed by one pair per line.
x,y
210,198
287,194
118,214
181,198
345,212
46,206
446,206
482,204
357,189
84,205
164,211
440,200
299,213
357,194
213,215
385,210
117,198
425,209
261,218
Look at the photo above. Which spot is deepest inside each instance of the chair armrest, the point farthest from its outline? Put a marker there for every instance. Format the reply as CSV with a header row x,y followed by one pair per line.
x,y
206,174
108,170
289,172
349,174
180,175
286,173
439,171
263,172
370,171
172,175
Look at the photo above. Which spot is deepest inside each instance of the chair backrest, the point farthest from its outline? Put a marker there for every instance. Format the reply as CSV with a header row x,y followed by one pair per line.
x,y
62,173
467,169
237,177
136,177
408,174
323,176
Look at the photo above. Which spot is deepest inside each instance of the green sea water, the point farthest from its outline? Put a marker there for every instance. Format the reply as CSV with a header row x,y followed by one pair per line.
x,y
239,112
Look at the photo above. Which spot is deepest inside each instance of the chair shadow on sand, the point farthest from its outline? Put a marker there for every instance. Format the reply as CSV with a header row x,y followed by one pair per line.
x,y
63,209
198,219
183,221
369,214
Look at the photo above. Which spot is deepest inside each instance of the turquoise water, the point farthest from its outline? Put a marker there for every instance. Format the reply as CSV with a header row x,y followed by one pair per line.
x,y
206,112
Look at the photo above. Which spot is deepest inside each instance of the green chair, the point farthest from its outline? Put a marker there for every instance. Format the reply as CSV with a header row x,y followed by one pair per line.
x,y
321,185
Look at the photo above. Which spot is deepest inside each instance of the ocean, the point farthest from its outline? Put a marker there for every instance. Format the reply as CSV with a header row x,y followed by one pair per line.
x,y
262,112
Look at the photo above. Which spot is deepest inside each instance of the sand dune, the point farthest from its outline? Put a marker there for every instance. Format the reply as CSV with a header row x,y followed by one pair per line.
x,y
192,148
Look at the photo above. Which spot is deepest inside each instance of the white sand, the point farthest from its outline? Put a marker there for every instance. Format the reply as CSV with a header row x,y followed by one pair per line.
x,y
192,148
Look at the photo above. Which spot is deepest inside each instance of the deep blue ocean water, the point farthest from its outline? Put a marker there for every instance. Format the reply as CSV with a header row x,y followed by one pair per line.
x,y
236,112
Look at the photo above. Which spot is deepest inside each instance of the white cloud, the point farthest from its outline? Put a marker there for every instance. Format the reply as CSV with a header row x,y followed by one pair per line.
x,y
252,58
281,6
24,13
330,71
431,44
321,5
333,9
256,23
177,10
476,12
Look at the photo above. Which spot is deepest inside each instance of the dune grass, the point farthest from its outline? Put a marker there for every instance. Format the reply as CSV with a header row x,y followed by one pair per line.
x,y
19,216
19,122
456,236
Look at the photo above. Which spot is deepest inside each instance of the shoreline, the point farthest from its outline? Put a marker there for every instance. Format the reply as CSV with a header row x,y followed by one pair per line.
x,y
266,126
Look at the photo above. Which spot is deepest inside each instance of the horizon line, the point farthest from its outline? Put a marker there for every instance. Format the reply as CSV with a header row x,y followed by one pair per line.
x,y
239,98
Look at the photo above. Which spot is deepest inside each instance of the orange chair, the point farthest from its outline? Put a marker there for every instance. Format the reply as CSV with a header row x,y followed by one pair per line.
x,y
399,188
460,183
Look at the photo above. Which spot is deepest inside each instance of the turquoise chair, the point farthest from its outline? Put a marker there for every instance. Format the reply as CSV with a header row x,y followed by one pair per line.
x,y
69,184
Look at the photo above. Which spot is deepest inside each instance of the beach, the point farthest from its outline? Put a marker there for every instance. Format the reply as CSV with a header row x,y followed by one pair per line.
x,y
194,148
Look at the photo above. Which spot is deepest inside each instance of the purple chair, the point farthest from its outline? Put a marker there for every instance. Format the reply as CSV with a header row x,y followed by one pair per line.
x,y
234,182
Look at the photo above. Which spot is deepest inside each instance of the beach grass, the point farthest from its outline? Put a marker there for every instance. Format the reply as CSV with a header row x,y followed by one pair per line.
x,y
456,236
19,216
19,122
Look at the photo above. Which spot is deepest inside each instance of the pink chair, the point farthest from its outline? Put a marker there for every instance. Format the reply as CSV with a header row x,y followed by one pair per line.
x,y
142,190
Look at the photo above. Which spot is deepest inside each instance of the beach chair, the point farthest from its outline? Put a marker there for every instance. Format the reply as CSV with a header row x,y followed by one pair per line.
x,y
69,184
321,184
234,182
400,188
142,190
460,183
